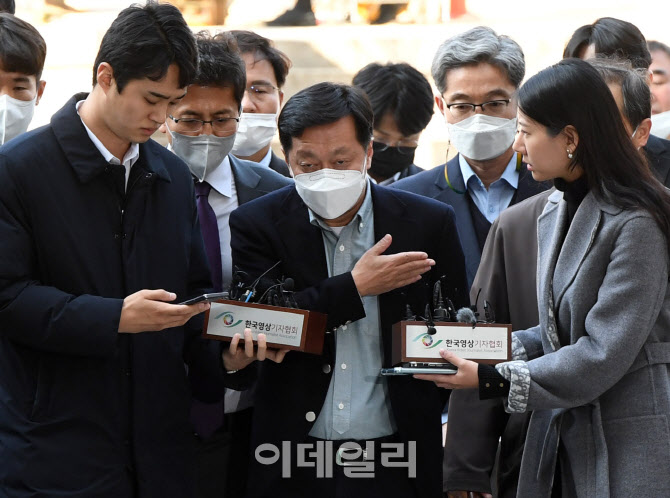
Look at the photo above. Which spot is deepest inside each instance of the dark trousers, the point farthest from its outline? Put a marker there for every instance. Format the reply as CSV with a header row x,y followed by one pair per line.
x,y
354,475
223,458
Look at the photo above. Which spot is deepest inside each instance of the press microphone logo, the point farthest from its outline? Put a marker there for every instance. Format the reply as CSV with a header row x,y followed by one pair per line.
x,y
427,340
228,319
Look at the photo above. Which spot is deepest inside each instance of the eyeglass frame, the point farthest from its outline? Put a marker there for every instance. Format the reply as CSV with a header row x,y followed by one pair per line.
x,y
203,122
253,87
474,106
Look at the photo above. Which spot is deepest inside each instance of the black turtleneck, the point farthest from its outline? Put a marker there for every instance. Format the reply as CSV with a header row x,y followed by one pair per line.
x,y
573,193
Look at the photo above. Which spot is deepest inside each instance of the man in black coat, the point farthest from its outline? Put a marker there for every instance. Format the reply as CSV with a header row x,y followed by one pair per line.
x,y
359,253
100,237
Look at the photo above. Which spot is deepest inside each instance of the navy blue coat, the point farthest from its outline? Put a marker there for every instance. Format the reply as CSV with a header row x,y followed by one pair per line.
x,y
86,411
432,183
276,227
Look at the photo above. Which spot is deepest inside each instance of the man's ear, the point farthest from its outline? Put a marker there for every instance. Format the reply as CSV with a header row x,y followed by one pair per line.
x,y
41,84
642,133
105,76
439,101
369,154
281,100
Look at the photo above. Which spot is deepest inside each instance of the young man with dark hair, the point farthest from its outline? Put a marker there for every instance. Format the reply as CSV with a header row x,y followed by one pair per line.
x,y
22,54
267,68
7,6
202,128
100,240
359,253
402,102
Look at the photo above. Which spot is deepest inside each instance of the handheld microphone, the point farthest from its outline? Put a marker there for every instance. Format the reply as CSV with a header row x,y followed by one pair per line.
x,y
451,309
440,313
286,289
466,315
488,312
429,321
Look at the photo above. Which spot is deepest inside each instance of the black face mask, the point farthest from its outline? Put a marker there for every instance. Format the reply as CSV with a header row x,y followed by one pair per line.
x,y
386,163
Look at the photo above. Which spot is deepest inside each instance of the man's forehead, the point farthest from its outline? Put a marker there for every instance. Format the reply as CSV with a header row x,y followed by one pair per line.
x,y
482,78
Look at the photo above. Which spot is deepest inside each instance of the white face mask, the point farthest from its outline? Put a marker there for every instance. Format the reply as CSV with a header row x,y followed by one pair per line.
x,y
15,116
481,137
254,133
331,192
202,153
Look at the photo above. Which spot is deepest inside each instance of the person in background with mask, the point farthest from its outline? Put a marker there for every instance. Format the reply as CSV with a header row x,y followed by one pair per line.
x,y
477,74
201,130
22,54
402,101
267,69
660,88
359,253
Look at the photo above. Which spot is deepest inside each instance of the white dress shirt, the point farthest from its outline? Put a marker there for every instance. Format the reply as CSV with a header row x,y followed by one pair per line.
x,y
132,155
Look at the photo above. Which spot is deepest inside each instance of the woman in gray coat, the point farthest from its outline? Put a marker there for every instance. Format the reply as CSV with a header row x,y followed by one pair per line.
x,y
595,372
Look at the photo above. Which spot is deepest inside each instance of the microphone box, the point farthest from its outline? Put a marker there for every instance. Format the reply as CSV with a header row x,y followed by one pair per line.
x,y
484,343
284,328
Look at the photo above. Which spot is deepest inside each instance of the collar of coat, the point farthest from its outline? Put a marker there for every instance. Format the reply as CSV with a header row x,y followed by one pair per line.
x,y
83,155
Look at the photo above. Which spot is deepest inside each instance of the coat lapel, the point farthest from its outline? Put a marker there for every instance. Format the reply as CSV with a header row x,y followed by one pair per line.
x,y
246,181
550,230
578,242
466,230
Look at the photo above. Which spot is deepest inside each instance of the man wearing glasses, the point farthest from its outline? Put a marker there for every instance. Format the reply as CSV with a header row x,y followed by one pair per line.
x,y
201,129
402,102
477,74
266,69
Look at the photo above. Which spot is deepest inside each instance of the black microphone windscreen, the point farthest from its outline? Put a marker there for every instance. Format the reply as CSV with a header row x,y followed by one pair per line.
x,y
288,284
466,315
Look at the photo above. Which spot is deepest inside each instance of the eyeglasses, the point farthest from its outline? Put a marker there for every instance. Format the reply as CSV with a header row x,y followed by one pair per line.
x,y
260,92
491,108
402,145
220,126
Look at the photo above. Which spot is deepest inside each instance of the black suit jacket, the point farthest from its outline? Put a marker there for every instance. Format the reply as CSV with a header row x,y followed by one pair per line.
x,y
432,183
279,165
658,154
275,228
252,181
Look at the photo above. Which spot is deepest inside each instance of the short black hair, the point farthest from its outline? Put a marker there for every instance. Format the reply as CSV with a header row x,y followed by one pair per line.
x,y
611,37
321,104
7,6
220,64
22,48
400,90
143,41
263,49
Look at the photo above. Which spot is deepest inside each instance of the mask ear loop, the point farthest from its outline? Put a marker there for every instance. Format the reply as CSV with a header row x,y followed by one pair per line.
x,y
446,173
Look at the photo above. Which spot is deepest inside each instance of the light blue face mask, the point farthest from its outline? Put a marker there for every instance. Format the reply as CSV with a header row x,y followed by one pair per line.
x,y
202,153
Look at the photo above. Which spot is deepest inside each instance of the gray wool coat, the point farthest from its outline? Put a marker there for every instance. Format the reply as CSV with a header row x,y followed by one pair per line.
x,y
599,377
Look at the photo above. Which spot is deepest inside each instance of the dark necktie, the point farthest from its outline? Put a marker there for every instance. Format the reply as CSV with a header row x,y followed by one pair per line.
x,y
210,233
208,417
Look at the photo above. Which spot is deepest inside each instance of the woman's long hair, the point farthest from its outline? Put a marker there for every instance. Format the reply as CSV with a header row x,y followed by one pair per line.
x,y
572,92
